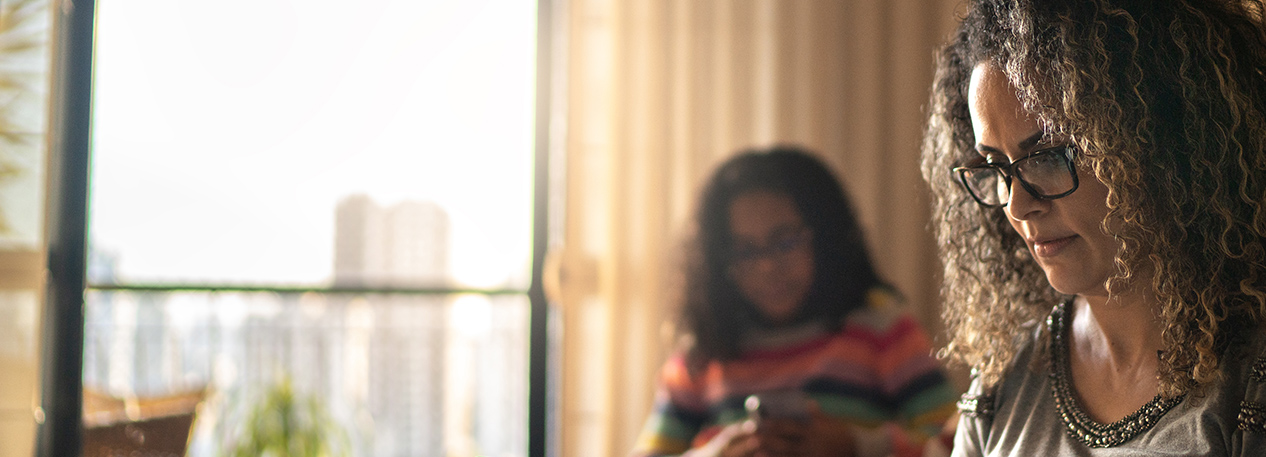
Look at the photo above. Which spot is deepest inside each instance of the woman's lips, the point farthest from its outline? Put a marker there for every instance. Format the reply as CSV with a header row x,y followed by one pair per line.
x,y
1051,247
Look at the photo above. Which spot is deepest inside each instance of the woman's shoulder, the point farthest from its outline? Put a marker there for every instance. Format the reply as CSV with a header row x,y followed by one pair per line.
x,y
1246,365
1027,366
1249,354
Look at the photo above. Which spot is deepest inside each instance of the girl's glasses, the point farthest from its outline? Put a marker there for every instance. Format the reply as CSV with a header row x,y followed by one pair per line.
x,y
744,259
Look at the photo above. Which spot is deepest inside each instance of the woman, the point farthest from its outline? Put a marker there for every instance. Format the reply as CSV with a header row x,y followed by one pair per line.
x,y
782,297
1099,170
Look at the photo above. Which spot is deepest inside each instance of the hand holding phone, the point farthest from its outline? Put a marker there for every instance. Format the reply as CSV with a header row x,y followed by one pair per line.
x,y
778,404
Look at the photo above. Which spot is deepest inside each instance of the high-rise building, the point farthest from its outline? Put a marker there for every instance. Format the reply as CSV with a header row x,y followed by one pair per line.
x,y
358,246
404,245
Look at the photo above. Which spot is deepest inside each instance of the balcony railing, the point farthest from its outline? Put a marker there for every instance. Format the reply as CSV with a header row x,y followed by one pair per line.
x,y
404,374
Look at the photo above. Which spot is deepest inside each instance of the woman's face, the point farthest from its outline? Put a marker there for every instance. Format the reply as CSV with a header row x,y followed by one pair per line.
x,y
1064,235
772,254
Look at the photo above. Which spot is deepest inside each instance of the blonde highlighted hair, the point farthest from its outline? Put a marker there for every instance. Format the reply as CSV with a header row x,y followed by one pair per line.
x,y
1166,99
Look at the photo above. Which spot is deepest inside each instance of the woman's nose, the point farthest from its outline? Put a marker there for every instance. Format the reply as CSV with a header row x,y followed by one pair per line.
x,y
1022,204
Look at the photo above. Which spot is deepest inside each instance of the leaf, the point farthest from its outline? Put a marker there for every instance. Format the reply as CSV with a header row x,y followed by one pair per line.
x,y
287,424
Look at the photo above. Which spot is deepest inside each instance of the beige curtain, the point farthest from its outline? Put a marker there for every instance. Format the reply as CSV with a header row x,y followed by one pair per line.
x,y
656,93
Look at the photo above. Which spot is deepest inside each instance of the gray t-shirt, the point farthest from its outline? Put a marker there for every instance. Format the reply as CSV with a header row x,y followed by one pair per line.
x,y
1021,416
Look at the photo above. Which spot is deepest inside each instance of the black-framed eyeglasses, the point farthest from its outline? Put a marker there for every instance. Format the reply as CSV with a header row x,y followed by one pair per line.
x,y
1046,174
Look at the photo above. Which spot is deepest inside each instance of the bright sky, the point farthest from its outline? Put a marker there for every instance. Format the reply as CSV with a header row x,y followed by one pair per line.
x,y
226,132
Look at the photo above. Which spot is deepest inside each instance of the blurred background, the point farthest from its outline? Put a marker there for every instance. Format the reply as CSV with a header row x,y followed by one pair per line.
x,y
350,204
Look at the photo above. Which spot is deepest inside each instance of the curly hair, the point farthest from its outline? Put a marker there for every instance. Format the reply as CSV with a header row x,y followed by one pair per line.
x,y
1167,101
714,314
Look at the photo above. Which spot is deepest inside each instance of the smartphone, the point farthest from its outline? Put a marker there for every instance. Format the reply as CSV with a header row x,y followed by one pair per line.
x,y
779,404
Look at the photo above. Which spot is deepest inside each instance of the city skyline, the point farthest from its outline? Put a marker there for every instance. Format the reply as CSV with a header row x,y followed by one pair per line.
x,y
405,375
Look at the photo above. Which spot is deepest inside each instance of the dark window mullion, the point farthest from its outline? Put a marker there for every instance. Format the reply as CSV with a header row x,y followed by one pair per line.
x,y
61,398
541,437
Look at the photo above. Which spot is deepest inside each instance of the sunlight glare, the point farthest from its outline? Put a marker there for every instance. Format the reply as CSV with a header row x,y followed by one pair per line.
x,y
225,134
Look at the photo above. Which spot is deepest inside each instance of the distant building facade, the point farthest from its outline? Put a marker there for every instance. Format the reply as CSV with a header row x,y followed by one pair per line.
x,y
403,245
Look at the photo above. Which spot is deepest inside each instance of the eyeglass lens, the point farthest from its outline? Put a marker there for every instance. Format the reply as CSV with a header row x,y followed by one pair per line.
x,y
1047,174
780,245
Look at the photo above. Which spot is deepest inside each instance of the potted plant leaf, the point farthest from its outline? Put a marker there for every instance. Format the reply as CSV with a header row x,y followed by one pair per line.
x,y
288,424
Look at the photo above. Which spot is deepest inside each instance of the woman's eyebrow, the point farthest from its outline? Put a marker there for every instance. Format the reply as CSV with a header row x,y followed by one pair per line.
x,y
987,150
1032,141
1024,145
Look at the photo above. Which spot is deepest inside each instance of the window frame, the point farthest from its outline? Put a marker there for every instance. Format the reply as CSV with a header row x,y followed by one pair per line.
x,y
59,416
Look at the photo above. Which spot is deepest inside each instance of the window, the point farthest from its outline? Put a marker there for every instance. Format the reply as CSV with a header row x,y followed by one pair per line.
x,y
333,197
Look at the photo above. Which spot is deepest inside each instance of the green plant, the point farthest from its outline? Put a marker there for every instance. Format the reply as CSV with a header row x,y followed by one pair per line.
x,y
286,424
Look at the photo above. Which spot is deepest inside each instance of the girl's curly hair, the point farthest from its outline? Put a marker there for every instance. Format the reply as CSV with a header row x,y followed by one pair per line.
x,y
1167,101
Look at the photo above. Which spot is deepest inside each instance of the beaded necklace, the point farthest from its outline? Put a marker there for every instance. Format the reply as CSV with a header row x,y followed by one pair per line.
x,y
1078,424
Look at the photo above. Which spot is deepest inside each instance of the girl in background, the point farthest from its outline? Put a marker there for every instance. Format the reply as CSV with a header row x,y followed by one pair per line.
x,y
783,302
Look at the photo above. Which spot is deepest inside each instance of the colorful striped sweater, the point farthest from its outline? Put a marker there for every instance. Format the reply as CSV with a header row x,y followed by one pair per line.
x,y
877,372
